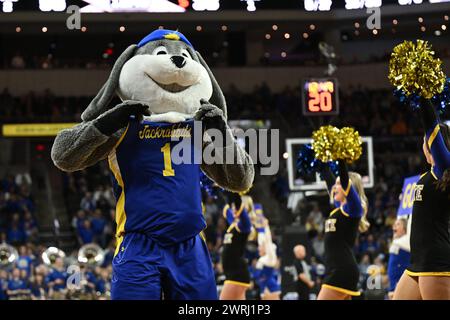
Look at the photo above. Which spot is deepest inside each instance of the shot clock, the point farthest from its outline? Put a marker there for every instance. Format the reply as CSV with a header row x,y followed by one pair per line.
x,y
320,97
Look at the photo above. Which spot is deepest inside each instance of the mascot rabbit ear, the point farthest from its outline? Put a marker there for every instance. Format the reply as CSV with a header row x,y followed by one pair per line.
x,y
217,98
101,101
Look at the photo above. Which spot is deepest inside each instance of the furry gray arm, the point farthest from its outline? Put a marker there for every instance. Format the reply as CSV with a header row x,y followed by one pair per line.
x,y
82,146
236,175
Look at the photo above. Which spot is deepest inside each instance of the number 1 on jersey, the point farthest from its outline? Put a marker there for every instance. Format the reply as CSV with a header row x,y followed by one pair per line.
x,y
168,170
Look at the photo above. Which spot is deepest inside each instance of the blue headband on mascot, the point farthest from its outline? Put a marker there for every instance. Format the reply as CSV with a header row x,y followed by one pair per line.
x,y
162,34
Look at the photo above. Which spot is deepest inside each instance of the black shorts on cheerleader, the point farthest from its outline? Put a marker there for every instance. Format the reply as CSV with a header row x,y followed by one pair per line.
x,y
236,272
344,280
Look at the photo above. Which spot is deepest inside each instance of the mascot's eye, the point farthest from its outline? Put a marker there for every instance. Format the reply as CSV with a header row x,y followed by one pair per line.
x,y
186,54
160,50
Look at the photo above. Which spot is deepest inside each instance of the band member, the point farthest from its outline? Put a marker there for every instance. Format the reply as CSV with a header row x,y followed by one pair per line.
x,y
428,276
341,230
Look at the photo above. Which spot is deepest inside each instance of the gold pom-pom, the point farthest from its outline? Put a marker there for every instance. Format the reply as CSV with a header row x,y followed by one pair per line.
x,y
324,140
348,146
331,144
414,69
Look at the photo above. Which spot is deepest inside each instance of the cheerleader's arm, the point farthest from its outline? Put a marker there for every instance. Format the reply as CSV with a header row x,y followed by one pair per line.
x,y
353,205
244,225
434,138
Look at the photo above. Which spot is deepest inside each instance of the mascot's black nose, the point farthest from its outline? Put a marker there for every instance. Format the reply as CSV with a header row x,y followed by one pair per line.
x,y
179,61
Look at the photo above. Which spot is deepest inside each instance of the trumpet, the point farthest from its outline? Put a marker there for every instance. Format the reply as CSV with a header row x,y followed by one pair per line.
x,y
91,254
50,255
8,255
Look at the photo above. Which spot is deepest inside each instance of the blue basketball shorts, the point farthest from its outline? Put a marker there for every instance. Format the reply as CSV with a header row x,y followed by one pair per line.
x,y
145,270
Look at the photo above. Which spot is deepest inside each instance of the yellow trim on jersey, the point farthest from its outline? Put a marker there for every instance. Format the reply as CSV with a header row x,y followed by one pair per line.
x,y
429,274
118,244
238,213
423,174
349,292
122,137
202,235
231,227
121,216
343,212
348,187
433,136
432,173
120,206
242,284
224,211
333,212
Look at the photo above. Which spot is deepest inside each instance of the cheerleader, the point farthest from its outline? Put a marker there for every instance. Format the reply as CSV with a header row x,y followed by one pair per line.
x,y
341,229
265,272
234,264
399,253
428,276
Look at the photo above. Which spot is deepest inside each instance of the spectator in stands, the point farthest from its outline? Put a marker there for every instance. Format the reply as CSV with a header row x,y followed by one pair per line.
x,y
38,288
315,218
391,217
23,179
318,245
17,287
78,220
104,282
15,234
30,227
98,224
3,284
24,261
211,207
88,202
109,253
364,264
85,233
369,245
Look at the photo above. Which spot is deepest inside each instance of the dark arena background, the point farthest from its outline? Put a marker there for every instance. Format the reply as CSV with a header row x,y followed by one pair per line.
x,y
284,66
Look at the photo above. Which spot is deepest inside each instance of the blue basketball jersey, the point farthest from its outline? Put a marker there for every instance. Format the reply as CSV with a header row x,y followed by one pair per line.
x,y
157,193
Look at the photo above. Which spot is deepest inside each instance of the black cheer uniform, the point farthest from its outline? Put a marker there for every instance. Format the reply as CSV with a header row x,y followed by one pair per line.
x,y
430,241
234,264
430,238
341,230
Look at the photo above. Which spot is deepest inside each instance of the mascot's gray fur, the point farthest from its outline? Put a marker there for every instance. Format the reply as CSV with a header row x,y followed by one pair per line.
x,y
170,79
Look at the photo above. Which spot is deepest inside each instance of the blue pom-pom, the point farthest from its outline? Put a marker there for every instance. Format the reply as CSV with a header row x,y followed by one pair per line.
x,y
411,100
308,164
334,166
441,100
306,160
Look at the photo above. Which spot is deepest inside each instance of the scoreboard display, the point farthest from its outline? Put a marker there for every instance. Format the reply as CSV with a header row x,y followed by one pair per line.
x,y
320,97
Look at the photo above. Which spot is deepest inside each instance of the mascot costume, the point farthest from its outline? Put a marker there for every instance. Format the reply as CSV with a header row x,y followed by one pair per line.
x,y
164,85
